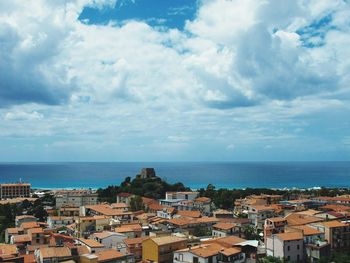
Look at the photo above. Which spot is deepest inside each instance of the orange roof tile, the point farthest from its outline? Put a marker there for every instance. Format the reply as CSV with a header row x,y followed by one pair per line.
x,y
55,252
186,213
289,236
332,224
109,254
295,219
231,251
91,243
132,241
308,230
7,249
27,225
224,226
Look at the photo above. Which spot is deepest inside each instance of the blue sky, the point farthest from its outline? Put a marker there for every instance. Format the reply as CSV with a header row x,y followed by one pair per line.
x,y
174,80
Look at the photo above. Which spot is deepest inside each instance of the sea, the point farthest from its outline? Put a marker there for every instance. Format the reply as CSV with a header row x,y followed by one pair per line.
x,y
276,175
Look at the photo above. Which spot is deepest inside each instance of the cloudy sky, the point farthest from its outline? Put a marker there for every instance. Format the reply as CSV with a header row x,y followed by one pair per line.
x,y
174,80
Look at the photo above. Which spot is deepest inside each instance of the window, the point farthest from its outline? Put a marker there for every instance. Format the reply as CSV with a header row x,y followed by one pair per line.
x,y
195,260
298,257
181,257
288,248
298,247
288,258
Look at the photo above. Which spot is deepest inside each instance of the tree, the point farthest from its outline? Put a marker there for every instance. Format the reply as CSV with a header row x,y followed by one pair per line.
x,y
136,203
251,233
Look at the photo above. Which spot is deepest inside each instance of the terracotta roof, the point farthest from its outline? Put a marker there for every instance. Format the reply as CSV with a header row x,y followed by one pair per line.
x,y
119,205
208,250
104,234
202,199
295,219
231,251
37,230
289,236
7,249
13,230
55,252
160,241
156,207
332,224
82,250
309,212
186,213
263,207
128,228
132,241
27,225
29,258
91,243
308,230
337,208
229,241
32,248
224,226
106,255
22,238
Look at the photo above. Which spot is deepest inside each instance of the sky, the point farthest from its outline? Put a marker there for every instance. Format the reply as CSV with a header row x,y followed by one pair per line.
x,y
174,80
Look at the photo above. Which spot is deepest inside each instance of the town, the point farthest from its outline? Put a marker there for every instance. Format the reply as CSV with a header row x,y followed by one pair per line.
x,y
182,226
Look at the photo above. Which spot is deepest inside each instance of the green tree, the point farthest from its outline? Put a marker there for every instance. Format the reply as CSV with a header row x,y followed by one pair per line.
x,y
136,203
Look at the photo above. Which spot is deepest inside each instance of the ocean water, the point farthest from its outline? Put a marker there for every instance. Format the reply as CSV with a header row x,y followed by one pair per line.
x,y
192,174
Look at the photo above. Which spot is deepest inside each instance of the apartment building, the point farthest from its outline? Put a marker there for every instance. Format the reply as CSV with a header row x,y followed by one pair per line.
x,y
181,195
288,246
337,233
75,198
8,191
161,249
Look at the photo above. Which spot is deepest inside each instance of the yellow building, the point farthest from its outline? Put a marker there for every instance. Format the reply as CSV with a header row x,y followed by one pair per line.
x,y
161,249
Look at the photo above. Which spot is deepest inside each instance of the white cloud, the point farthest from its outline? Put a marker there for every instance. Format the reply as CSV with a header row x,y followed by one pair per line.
x,y
236,65
21,115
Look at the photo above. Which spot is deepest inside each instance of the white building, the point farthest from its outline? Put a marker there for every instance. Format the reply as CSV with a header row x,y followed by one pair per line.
x,y
111,240
288,246
209,253
75,198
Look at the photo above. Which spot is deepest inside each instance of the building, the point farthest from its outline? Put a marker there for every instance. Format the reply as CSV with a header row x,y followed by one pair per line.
x,y
161,249
206,253
59,221
75,198
113,256
8,191
274,225
111,240
258,213
224,229
125,198
181,195
134,246
92,245
24,218
288,246
52,254
337,234
147,173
